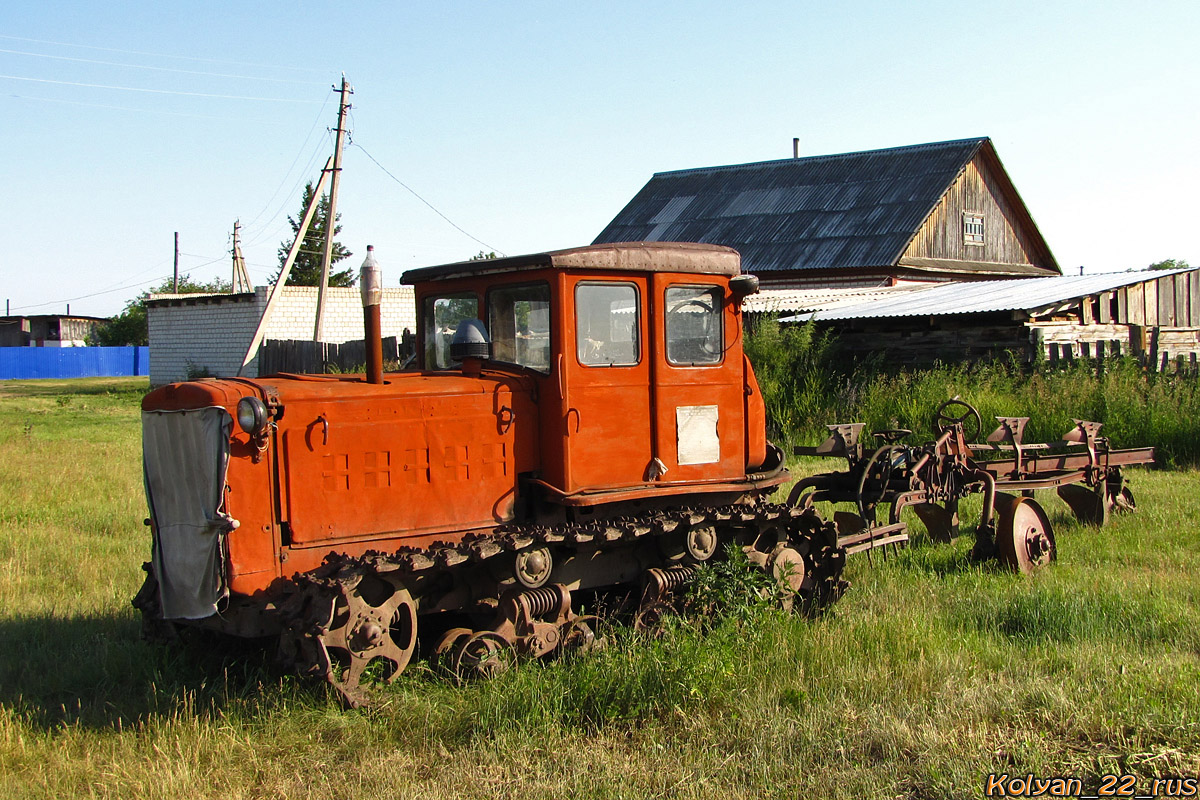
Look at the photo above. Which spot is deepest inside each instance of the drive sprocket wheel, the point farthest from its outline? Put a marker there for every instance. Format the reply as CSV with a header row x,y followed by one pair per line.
x,y
370,619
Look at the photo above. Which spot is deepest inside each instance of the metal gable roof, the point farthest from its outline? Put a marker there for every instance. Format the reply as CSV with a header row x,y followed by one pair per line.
x,y
1021,294
845,210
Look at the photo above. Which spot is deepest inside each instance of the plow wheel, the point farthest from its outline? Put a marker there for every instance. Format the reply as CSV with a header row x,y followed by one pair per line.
x,y
873,483
370,620
1024,538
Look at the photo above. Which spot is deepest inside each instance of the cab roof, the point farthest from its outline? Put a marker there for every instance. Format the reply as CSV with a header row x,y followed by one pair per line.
x,y
632,256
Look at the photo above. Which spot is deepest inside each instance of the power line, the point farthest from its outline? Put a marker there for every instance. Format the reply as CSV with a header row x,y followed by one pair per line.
x,y
156,91
287,174
93,294
266,230
123,108
426,202
125,286
160,55
146,67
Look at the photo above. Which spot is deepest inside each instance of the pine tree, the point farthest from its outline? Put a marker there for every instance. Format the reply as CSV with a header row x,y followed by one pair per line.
x,y
307,269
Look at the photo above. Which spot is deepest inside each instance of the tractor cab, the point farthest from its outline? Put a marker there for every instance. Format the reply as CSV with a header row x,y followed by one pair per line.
x,y
633,350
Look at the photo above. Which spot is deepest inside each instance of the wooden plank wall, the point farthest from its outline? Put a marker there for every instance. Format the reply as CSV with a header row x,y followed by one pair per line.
x,y
1172,301
302,356
1005,242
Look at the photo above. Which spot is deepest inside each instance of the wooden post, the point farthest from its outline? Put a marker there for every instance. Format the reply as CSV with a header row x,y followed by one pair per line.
x,y
176,289
241,278
331,221
287,266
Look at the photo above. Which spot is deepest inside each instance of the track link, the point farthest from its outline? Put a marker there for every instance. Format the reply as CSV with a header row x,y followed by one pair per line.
x,y
351,611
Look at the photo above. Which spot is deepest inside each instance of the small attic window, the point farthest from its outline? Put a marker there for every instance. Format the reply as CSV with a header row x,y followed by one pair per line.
x,y
972,228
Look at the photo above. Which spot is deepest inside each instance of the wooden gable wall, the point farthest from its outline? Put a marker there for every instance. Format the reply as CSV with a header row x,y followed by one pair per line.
x,y
1007,238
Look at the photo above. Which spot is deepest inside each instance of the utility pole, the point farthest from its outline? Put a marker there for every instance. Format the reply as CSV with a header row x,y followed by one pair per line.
x,y
286,269
241,278
176,290
331,219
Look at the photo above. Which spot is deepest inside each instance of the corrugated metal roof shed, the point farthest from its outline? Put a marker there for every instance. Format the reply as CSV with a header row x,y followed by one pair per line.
x,y
790,301
822,212
1022,294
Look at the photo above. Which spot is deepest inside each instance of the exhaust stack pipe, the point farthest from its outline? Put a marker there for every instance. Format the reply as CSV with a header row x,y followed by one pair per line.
x,y
370,283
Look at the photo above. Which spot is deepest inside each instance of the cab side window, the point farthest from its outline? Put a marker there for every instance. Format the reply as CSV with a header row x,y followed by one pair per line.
x,y
441,315
519,325
694,332
607,324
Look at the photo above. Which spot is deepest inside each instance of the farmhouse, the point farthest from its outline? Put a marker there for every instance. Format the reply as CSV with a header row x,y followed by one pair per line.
x,y
921,253
925,213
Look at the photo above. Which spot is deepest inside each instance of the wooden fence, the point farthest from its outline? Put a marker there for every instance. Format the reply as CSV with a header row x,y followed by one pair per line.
x,y
303,356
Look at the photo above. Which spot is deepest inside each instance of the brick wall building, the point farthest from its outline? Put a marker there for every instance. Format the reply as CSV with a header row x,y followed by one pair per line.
x,y
207,334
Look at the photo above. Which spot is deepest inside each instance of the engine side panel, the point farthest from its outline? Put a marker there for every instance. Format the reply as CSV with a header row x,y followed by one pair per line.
x,y
357,470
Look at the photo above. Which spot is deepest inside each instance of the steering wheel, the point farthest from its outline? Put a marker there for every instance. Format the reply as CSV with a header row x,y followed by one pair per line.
x,y
707,310
958,412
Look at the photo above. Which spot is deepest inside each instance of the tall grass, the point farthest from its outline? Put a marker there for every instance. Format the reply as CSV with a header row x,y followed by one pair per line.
x,y
930,673
808,382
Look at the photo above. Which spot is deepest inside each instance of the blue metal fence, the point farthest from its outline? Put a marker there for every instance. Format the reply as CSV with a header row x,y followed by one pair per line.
x,y
73,362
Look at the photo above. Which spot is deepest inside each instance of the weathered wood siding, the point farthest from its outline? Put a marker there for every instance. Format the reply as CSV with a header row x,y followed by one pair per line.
x,y
922,342
1006,240
1172,301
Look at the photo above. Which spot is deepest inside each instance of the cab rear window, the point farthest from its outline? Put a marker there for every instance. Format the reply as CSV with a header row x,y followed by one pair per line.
x,y
694,325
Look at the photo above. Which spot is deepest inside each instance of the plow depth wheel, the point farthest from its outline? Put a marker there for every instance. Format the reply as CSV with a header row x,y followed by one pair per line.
x,y
1024,538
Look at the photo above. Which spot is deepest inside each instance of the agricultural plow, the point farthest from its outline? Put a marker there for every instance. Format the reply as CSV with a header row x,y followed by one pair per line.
x,y
932,478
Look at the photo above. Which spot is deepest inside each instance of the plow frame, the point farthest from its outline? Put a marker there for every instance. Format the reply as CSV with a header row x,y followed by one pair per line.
x,y
932,478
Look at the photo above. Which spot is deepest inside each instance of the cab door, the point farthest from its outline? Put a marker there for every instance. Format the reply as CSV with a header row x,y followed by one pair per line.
x,y
697,380
604,376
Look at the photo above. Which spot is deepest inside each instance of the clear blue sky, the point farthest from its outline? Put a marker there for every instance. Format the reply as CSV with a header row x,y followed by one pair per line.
x,y
531,124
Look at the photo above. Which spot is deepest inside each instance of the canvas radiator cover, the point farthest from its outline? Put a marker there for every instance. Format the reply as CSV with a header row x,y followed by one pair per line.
x,y
185,455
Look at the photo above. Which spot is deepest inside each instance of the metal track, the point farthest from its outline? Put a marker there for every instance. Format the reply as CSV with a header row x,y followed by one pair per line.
x,y
331,607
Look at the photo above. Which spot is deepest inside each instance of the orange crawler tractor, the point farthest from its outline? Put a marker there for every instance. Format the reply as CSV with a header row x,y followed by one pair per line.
x,y
579,420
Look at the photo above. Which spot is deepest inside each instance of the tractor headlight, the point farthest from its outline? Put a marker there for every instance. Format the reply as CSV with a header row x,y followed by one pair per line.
x,y
252,415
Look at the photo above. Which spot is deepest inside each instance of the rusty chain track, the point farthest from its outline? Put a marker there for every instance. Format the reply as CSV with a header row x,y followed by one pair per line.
x,y
320,612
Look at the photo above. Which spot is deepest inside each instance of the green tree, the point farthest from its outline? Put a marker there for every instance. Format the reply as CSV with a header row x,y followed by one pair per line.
x,y
130,327
1170,263
307,269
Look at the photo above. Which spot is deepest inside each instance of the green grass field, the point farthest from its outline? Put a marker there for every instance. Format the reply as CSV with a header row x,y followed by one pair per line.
x,y
927,676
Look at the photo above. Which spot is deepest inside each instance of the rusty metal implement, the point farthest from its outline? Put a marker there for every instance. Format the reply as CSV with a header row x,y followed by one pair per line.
x,y
931,478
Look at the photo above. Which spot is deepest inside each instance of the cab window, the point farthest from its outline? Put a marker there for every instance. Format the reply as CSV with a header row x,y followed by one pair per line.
x,y
519,325
694,332
607,324
441,315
